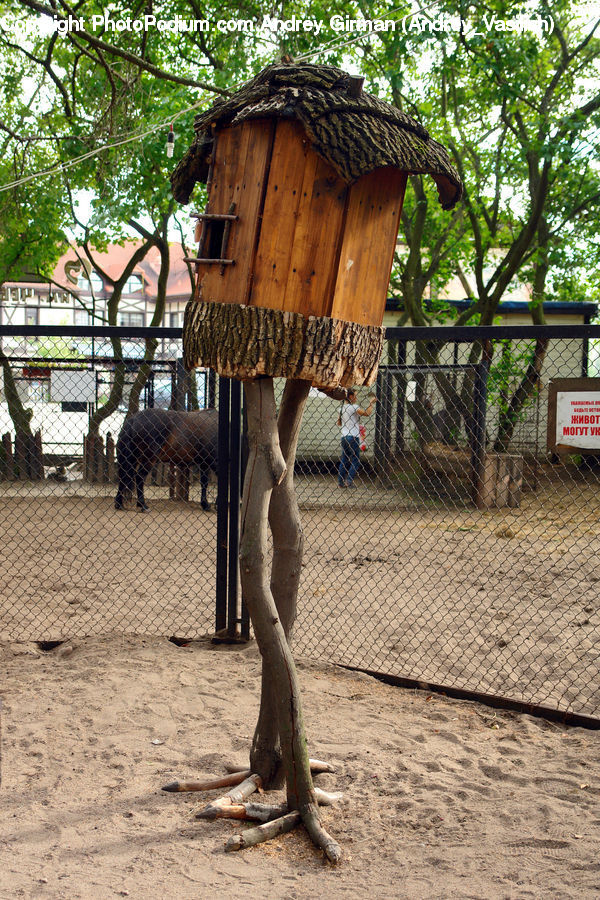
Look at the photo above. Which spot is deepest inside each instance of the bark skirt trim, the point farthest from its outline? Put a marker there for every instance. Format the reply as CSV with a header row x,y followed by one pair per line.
x,y
246,342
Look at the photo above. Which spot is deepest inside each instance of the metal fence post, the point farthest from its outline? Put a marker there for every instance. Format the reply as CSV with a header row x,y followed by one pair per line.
x,y
222,505
210,389
400,378
235,446
244,452
149,391
479,420
383,426
180,385
378,438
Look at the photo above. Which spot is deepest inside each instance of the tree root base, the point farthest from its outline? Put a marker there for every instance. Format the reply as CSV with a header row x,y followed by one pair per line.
x,y
275,819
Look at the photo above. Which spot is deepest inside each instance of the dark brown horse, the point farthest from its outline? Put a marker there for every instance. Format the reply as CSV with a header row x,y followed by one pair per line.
x,y
182,438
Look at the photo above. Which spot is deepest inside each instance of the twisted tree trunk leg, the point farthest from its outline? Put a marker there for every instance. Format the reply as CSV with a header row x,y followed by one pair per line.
x,y
265,470
288,544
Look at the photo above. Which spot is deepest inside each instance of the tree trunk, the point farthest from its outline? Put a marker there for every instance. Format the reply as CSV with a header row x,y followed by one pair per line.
x,y
142,375
27,459
251,341
151,344
265,471
529,383
527,386
288,544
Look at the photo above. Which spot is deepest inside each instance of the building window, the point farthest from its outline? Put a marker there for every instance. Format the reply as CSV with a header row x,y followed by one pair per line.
x,y
133,285
81,317
32,316
131,320
175,320
96,282
92,283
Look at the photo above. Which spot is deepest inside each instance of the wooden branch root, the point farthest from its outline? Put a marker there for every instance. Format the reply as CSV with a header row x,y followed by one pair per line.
x,y
233,798
253,836
276,826
235,777
318,835
276,819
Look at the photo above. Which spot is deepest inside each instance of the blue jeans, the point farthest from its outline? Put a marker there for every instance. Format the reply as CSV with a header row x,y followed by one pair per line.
x,y
350,460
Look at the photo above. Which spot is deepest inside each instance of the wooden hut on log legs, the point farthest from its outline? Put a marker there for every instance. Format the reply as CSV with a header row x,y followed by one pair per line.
x,y
306,176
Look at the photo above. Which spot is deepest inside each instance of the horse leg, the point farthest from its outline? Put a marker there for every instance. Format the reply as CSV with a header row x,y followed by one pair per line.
x,y
126,480
119,497
140,476
203,488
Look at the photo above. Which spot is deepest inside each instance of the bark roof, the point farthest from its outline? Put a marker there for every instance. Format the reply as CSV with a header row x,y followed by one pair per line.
x,y
355,134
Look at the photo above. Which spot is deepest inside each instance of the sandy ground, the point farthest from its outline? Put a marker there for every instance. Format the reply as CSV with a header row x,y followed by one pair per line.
x,y
442,798
503,601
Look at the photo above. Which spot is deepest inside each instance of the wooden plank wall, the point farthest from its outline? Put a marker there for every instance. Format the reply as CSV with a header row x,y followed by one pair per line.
x,y
240,168
302,221
368,245
304,241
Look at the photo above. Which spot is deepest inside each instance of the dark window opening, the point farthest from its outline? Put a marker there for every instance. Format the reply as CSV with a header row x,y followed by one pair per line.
x,y
214,240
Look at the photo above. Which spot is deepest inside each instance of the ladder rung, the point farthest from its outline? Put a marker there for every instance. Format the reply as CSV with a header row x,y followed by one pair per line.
x,y
214,217
209,262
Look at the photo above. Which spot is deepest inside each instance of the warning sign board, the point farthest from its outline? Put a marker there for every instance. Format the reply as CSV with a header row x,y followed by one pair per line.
x,y
574,413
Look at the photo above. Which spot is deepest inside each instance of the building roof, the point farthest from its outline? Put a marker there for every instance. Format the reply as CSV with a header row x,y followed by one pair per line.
x,y
585,307
351,129
113,261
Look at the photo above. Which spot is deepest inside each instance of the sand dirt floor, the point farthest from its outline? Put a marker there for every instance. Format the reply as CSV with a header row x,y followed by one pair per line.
x,y
442,798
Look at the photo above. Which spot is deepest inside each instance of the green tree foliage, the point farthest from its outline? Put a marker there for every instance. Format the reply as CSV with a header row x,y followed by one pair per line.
x,y
520,112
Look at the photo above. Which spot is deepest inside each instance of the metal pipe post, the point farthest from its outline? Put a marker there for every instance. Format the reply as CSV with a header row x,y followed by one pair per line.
x,y
479,420
222,505
235,448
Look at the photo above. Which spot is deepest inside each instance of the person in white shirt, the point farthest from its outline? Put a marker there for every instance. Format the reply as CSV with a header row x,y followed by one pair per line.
x,y
349,422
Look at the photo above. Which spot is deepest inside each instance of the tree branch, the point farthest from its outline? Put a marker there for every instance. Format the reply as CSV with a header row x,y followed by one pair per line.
x,y
124,54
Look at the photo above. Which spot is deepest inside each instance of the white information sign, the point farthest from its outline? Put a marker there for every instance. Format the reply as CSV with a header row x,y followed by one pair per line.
x,y
578,419
73,386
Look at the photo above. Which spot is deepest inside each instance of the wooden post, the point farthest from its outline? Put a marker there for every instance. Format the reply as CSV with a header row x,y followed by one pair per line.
x,y
20,457
100,460
501,482
486,496
93,458
7,471
502,479
90,461
37,457
94,441
181,485
515,483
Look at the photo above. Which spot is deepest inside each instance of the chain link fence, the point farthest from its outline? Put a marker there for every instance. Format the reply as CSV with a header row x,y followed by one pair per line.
x,y
71,564
462,552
